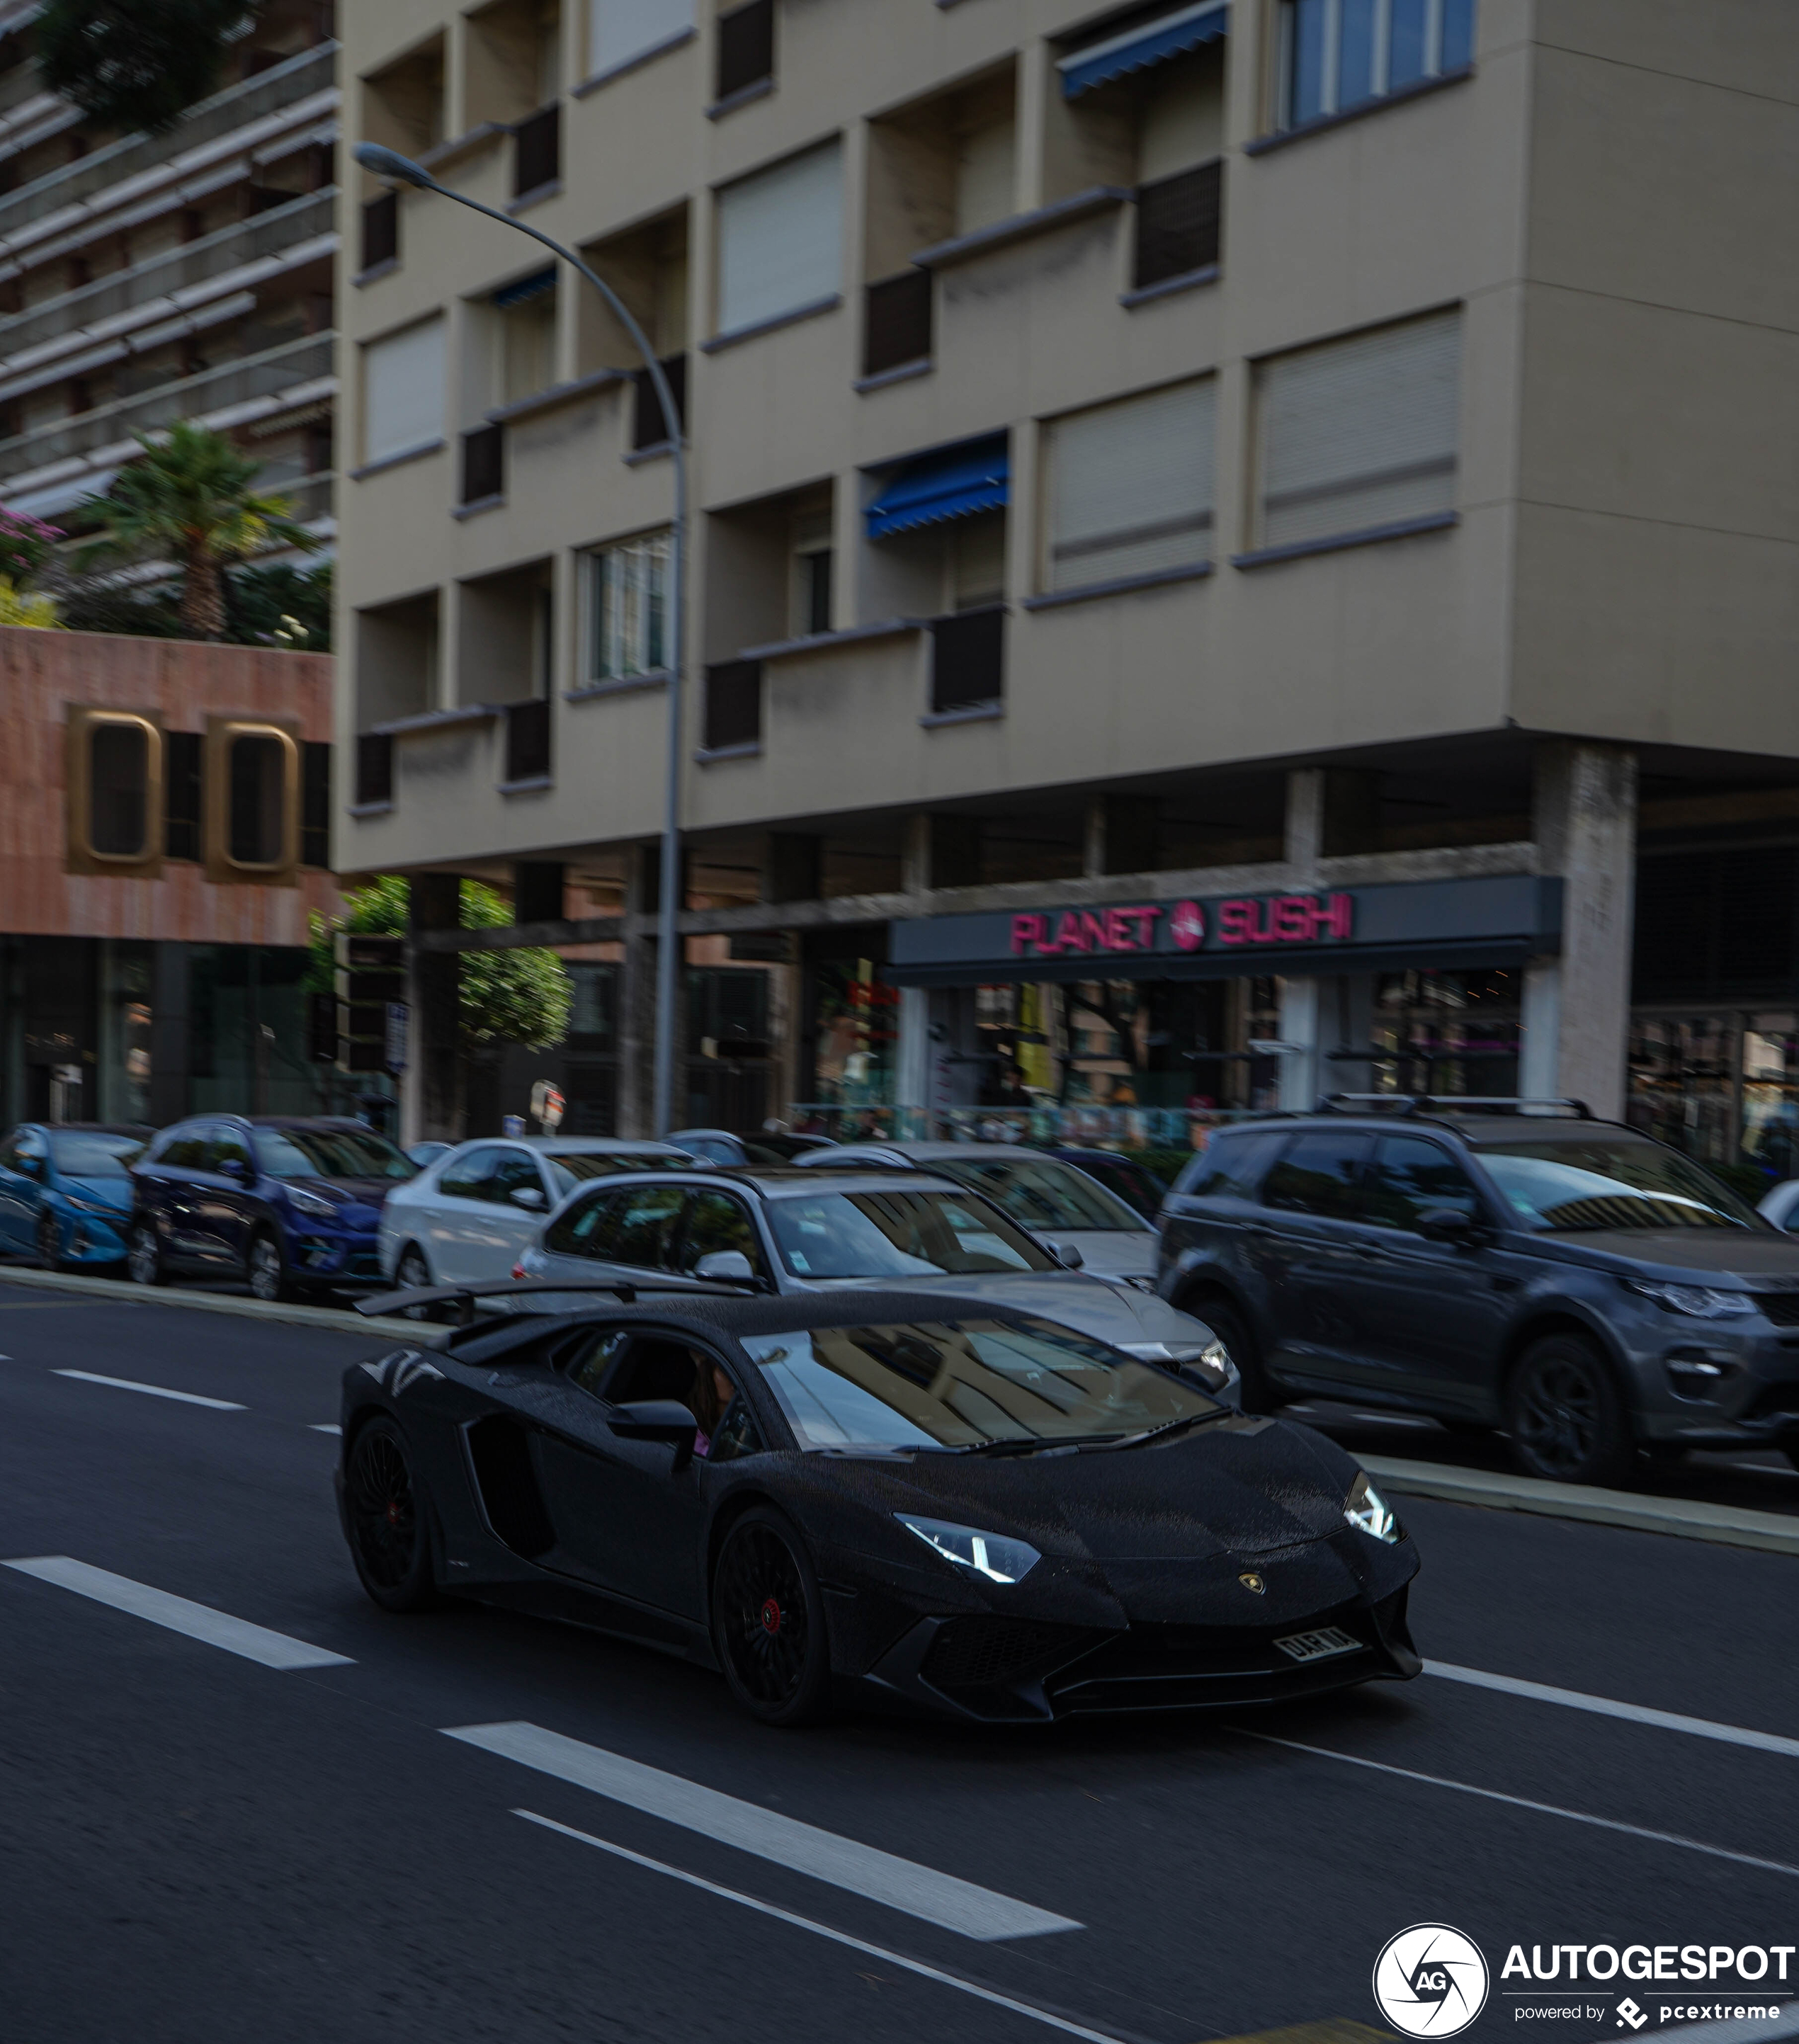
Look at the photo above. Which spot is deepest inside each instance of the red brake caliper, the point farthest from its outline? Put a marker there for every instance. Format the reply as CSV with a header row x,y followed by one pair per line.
x,y
771,1617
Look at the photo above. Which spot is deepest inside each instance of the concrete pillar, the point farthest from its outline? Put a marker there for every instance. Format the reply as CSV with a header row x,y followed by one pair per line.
x,y
1300,998
1586,827
636,998
1119,836
432,1106
911,1058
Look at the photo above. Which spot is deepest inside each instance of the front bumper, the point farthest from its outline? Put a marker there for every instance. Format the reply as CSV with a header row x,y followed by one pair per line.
x,y
347,1257
90,1238
1707,1384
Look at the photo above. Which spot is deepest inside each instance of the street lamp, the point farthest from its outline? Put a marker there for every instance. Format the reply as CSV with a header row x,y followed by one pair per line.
x,y
391,164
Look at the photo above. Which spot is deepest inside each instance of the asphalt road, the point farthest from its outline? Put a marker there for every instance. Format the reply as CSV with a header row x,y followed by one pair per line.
x,y
197,1844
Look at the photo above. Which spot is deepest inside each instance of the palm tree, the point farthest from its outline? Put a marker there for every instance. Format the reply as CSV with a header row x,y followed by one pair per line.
x,y
190,499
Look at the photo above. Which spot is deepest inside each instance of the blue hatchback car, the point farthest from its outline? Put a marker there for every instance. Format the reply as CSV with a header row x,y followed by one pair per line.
x,y
288,1204
66,1193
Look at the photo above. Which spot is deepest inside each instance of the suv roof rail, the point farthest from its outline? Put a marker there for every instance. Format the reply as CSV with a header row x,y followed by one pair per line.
x,y
1428,1103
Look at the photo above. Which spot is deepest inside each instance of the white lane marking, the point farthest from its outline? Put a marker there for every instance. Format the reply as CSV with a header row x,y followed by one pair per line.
x,y
153,1390
197,1621
1524,1803
920,1891
1605,1706
325,1426
1068,2029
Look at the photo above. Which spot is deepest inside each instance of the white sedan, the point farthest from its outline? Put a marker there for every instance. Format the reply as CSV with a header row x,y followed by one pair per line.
x,y
471,1214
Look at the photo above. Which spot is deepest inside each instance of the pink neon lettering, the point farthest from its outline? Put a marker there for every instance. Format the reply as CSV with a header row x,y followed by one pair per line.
x,y
1026,931
1069,936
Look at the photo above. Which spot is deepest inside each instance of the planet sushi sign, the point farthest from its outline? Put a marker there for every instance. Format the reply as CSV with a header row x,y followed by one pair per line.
x,y
1243,920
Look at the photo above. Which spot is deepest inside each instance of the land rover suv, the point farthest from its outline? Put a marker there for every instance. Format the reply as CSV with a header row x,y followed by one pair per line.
x,y
1501,1264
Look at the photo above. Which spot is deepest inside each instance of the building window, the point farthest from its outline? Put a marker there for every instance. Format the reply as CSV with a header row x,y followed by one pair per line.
x,y
403,392
618,30
810,611
627,605
780,235
182,807
1129,489
315,803
527,312
1359,434
259,772
119,753
746,47
1178,219
1338,53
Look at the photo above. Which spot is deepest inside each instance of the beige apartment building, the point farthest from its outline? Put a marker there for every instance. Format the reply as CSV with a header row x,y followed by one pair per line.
x,y
1239,549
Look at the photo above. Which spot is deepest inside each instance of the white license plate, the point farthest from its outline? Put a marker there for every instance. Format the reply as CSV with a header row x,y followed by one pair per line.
x,y
1318,1645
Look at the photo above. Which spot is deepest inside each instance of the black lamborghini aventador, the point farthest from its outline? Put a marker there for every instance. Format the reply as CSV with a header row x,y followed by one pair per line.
x,y
908,1497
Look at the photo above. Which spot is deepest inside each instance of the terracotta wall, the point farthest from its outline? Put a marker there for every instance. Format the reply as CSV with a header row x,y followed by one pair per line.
x,y
41,674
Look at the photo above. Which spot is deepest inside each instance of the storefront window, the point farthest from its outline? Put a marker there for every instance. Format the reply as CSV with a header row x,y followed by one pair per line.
x,y
248,1040
1724,1087
1447,1032
854,1020
1771,1093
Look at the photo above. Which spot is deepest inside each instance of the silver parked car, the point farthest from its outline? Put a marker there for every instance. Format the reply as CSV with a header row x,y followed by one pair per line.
x,y
470,1213
791,1230
1040,1192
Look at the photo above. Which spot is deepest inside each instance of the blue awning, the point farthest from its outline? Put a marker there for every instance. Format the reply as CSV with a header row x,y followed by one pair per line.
x,y
533,286
1149,43
954,484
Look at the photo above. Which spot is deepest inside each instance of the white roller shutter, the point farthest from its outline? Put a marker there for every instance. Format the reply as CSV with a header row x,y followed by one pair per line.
x,y
1130,486
1360,433
780,239
403,391
618,30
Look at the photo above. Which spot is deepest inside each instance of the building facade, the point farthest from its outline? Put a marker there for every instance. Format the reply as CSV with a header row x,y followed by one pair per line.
x,y
145,279
1237,549
163,836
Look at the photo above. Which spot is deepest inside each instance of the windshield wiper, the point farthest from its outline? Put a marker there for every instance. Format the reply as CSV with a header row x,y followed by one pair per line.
x,y
1034,1444
1166,1428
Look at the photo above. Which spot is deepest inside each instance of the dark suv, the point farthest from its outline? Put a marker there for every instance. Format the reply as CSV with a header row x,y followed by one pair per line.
x,y
285,1203
1506,1264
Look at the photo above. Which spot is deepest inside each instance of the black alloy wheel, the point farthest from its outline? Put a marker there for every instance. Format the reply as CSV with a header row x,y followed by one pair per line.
x,y
49,1240
265,1269
1565,1415
1222,1318
768,1622
388,1520
143,1255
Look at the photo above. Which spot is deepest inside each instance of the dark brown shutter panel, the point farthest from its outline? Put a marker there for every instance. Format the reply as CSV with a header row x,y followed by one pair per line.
x,y
897,327
1178,224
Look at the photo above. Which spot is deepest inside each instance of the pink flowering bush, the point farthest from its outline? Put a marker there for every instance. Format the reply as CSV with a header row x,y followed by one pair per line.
x,y
25,544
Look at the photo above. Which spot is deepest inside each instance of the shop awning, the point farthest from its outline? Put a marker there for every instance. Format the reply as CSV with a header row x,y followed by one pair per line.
x,y
526,288
1149,43
954,484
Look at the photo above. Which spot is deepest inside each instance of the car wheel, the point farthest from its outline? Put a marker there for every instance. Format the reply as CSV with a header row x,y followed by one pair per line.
x,y
49,1241
388,1518
1258,1394
265,1271
412,1274
768,1622
144,1256
1565,1415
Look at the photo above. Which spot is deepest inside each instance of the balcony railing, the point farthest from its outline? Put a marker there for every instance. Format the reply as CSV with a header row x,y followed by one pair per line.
x,y
537,150
483,464
375,769
211,391
311,218
1178,221
313,71
648,428
381,231
733,705
897,322
967,659
527,740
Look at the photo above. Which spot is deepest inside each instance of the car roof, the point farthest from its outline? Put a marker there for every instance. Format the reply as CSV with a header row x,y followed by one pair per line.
x,y
1477,1128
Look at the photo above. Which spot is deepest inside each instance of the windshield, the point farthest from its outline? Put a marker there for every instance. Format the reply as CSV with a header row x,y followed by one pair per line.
x,y
329,1153
950,1383
92,1153
1040,1193
898,1235
569,1169
1568,1187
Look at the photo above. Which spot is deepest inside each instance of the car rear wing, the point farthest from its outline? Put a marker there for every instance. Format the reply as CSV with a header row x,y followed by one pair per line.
x,y
626,1290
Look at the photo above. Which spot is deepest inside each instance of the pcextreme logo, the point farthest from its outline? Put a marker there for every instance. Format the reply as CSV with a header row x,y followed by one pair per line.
x,y
1431,1980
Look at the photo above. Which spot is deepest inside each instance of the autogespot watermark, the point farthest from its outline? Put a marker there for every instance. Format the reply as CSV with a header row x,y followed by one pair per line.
x,y
1432,1981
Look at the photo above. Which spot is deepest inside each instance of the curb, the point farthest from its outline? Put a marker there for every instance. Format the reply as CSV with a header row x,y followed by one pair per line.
x,y
1687,1519
331,1318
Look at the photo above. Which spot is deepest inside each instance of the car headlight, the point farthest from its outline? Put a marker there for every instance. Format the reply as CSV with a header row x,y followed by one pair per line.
x,y
1143,1283
1365,1508
1700,1302
993,1555
311,1202
1209,1362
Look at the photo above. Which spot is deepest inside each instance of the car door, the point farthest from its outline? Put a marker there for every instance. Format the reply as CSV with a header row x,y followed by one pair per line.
x,y
713,1222
628,1513
229,1207
1430,1315
452,1217
508,1225
181,1181
1308,1248
24,1158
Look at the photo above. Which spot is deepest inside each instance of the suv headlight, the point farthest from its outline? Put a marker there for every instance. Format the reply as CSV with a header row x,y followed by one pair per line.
x,y
1209,1362
993,1555
1366,1508
1700,1302
311,1202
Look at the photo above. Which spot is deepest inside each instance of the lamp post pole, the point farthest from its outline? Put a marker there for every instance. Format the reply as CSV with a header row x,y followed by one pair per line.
x,y
389,163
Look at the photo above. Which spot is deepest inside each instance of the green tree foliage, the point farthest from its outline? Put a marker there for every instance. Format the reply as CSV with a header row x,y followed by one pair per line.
x,y
191,499
522,997
282,607
134,66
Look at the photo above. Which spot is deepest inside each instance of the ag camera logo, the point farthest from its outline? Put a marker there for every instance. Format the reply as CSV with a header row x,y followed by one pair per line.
x,y
1430,1980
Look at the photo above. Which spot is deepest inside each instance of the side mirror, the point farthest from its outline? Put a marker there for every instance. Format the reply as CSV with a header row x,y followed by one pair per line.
x,y
1066,1254
658,1419
724,1263
29,1167
1448,1224
526,1195
234,1167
